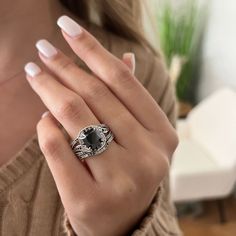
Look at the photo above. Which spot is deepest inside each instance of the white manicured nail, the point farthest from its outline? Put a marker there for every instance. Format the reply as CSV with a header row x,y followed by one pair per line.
x,y
68,25
32,69
46,48
45,114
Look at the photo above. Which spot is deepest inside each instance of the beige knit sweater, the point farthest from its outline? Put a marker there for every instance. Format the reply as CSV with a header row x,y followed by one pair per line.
x,y
29,202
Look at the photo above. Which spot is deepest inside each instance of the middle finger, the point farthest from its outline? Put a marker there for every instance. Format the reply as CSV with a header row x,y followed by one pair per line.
x,y
105,105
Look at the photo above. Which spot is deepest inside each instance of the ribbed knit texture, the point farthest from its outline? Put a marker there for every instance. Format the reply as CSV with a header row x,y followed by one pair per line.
x,y
29,201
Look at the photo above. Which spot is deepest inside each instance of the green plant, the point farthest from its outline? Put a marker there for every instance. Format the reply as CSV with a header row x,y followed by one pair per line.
x,y
180,31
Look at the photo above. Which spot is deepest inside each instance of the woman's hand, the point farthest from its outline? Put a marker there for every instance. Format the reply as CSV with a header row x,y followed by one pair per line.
x,y
105,195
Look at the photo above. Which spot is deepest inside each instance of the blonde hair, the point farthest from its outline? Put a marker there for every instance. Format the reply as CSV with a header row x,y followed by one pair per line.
x,y
122,17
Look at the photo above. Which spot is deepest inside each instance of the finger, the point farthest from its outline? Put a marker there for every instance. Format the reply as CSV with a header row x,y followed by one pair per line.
x,y
72,112
72,179
68,108
113,72
129,60
103,103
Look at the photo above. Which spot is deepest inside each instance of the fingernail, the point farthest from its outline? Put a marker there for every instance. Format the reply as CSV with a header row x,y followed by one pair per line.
x,y
45,114
46,48
133,62
32,69
131,57
68,25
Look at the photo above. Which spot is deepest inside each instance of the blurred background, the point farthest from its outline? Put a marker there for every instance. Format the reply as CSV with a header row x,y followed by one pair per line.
x,y
198,41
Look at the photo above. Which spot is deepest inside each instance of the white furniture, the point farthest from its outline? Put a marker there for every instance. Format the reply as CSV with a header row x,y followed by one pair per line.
x,y
204,164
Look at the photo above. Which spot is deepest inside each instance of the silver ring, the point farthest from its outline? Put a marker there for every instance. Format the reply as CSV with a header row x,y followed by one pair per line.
x,y
91,141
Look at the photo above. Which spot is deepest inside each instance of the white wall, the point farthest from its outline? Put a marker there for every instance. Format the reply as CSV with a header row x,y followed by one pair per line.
x,y
219,52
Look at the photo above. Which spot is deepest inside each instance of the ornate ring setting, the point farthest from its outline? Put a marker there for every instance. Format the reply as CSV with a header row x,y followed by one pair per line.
x,y
91,141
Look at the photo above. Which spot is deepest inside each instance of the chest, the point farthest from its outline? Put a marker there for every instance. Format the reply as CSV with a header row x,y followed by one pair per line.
x,y
20,110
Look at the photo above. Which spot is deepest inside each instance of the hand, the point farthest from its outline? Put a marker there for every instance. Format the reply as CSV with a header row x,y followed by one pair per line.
x,y
108,194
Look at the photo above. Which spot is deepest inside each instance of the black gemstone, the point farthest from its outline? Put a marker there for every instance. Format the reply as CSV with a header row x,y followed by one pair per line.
x,y
92,138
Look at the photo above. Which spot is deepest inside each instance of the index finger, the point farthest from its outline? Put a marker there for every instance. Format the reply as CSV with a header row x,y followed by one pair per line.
x,y
114,73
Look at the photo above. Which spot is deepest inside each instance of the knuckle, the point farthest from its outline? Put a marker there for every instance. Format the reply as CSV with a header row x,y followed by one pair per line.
x,y
164,163
69,108
125,119
175,140
40,82
50,146
155,165
123,76
65,65
122,72
172,142
39,125
160,169
96,90
168,140
89,47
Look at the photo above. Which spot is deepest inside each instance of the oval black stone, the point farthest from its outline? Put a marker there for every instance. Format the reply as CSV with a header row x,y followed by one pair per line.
x,y
92,138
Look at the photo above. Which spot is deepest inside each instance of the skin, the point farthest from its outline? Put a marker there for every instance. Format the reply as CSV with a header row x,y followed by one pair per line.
x,y
128,173
21,25
17,99
125,176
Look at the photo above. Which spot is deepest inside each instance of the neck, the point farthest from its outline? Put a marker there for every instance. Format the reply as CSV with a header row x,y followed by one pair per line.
x,y
22,23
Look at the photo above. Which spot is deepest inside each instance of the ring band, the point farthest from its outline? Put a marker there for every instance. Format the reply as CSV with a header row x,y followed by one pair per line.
x,y
92,140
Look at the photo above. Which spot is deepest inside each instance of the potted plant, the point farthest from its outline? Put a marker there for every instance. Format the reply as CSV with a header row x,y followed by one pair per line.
x,y
180,32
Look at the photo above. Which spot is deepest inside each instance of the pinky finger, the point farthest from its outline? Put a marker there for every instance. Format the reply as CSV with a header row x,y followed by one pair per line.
x,y
129,60
66,169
